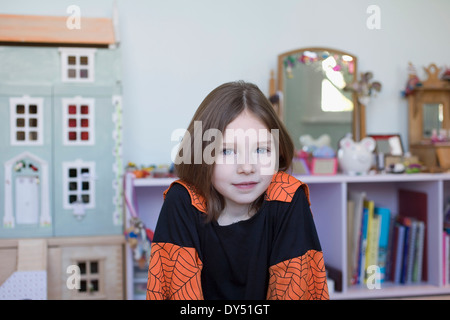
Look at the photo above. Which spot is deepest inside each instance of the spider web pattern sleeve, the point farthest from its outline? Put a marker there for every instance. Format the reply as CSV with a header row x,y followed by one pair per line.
x,y
174,273
300,278
297,269
175,261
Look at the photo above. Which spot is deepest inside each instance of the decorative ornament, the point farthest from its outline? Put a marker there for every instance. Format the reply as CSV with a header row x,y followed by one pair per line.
x,y
343,63
413,81
446,74
364,88
19,165
139,239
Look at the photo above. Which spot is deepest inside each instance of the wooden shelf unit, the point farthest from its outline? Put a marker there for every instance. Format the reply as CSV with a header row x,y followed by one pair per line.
x,y
432,92
329,206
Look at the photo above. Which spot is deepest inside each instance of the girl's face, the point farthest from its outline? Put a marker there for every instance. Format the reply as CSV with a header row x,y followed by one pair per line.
x,y
244,168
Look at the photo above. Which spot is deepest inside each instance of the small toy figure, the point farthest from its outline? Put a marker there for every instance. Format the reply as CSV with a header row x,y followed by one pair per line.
x,y
446,74
309,144
413,81
139,238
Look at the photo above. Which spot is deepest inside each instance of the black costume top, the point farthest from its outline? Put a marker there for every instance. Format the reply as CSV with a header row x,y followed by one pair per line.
x,y
275,254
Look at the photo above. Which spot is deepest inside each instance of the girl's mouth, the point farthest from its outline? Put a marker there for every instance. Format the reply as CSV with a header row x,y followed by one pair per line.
x,y
245,185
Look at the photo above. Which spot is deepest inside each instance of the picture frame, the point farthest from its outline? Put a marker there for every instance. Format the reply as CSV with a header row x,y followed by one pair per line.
x,y
388,144
300,166
324,166
391,161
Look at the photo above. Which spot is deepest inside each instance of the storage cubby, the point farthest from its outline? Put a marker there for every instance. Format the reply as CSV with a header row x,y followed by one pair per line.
x,y
385,194
446,190
328,205
328,195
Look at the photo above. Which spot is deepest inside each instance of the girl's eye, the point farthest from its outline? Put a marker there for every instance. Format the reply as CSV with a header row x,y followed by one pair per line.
x,y
228,152
262,150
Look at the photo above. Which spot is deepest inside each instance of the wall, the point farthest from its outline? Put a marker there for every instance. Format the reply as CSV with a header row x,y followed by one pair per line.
x,y
175,52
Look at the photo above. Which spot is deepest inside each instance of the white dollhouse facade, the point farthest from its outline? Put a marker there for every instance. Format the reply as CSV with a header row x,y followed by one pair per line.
x,y
60,142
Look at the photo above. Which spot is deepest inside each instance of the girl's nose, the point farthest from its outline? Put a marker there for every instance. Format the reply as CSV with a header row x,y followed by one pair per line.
x,y
246,168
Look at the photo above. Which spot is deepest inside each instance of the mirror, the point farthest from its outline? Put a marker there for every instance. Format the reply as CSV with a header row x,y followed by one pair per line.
x,y
313,101
433,117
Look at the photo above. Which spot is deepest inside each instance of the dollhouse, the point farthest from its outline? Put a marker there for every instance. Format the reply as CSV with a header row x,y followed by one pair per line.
x,y
60,158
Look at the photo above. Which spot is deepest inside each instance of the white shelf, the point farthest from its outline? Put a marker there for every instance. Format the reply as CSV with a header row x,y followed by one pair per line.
x,y
328,196
388,177
390,290
161,182
153,182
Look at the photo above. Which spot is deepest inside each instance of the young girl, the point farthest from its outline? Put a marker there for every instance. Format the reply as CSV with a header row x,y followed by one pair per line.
x,y
236,225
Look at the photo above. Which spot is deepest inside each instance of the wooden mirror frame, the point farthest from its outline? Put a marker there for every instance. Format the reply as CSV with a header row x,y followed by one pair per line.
x,y
433,154
358,113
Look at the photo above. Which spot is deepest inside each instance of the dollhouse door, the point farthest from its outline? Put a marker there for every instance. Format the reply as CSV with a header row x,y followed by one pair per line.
x,y
27,199
25,137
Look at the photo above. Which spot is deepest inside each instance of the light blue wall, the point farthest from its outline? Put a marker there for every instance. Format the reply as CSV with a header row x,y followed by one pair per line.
x,y
175,51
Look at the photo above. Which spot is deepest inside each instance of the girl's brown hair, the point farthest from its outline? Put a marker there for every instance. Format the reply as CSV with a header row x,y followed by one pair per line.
x,y
220,107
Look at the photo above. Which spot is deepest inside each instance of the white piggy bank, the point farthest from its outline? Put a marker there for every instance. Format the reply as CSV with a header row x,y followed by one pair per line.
x,y
355,158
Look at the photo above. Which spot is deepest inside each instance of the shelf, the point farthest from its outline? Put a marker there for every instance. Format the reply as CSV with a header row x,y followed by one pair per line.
x,y
328,195
338,178
153,182
391,290
388,177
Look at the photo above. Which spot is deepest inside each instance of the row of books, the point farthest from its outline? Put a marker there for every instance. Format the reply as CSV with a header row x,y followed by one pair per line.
x,y
406,262
446,244
446,255
391,244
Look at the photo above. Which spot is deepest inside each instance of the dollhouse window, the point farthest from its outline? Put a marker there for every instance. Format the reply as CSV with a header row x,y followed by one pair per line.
x,y
91,279
78,121
77,64
26,121
79,184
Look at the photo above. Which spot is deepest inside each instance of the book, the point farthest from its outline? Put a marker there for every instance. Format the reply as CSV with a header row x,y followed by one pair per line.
x,y
446,257
373,231
404,266
384,215
388,275
363,247
350,245
409,247
418,265
413,204
397,252
406,251
357,198
396,244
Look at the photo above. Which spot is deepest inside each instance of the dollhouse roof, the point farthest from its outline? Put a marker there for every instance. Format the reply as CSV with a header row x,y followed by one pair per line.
x,y
54,31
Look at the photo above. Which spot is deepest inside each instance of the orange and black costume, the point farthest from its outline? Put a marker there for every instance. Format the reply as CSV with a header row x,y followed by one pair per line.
x,y
275,254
